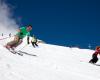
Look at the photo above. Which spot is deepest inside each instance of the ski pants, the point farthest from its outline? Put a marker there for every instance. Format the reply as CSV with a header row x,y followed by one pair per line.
x,y
94,58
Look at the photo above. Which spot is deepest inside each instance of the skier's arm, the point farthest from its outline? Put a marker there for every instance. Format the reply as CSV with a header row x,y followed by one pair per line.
x,y
19,30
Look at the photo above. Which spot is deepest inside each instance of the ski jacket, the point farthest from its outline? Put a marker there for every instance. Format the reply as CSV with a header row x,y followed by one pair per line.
x,y
34,39
23,32
97,52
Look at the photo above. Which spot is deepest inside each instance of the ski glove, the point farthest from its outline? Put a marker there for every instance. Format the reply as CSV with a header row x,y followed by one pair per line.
x,y
28,42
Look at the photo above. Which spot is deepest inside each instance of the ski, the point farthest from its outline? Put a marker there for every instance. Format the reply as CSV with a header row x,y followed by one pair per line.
x,y
21,53
26,53
90,63
95,64
16,52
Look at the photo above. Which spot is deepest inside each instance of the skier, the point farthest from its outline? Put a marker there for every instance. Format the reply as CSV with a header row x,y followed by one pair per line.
x,y
34,41
9,34
95,54
2,34
18,38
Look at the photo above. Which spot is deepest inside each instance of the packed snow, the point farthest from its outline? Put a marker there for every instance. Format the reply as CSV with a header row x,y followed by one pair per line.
x,y
51,63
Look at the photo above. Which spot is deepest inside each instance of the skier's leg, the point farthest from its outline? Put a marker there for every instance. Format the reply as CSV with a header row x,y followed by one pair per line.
x,y
94,58
36,44
91,61
12,43
33,44
8,47
19,42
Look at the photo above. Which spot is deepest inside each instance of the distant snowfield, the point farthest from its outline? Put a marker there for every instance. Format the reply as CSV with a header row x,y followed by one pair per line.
x,y
52,63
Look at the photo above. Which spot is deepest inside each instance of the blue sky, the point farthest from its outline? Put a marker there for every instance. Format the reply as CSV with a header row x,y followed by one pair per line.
x,y
61,22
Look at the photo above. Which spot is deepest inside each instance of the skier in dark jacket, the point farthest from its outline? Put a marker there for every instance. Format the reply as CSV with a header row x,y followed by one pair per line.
x,y
94,56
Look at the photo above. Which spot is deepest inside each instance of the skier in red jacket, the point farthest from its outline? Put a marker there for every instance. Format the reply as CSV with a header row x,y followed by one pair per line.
x,y
95,54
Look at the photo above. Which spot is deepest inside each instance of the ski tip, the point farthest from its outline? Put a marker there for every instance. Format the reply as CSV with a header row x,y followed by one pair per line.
x,y
34,55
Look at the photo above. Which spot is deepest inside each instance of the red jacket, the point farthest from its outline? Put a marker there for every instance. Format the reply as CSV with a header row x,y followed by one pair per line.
x,y
97,52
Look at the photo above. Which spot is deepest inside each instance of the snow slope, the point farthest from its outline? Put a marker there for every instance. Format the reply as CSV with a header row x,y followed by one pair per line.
x,y
52,63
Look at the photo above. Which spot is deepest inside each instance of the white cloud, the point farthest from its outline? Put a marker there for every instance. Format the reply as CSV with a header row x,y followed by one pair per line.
x,y
7,23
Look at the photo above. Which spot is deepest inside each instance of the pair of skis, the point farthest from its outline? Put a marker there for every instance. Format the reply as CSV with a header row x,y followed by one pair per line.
x,y
21,53
91,63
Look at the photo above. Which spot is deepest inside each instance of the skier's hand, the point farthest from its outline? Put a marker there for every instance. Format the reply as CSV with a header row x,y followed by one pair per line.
x,y
28,42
